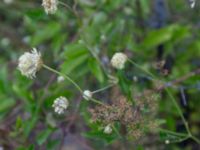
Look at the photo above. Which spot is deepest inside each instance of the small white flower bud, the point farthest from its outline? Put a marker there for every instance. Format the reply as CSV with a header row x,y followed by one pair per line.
x,y
8,1
60,79
135,78
60,104
108,129
87,94
192,3
50,6
30,63
118,60
167,141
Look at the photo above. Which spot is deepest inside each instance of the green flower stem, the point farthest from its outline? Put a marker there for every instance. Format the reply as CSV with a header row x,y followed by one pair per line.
x,y
189,135
179,110
139,67
180,140
72,10
97,101
195,139
72,81
65,5
117,132
173,133
104,88
64,75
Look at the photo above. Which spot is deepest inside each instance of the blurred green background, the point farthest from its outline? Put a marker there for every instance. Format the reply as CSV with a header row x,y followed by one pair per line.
x,y
148,31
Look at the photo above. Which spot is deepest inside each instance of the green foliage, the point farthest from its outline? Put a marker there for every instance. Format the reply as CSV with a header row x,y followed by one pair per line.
x,y
79,41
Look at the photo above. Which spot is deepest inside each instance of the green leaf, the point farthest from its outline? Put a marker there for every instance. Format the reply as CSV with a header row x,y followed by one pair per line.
x,y
74,55
47,32
96,69
156,37
42,137
6,103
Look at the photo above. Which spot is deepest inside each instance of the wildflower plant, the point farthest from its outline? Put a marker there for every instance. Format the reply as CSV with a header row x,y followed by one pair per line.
x,y
123,103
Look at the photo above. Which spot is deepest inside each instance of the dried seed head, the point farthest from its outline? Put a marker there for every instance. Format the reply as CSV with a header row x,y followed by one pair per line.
x,y
60,104
118,60
50,6
108,129
87,95
30,63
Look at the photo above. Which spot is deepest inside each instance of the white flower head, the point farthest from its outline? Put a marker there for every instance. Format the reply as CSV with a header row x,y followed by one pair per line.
x,y
60,79
108,129
118,60
60,104
50,6
87,94
8,1
29,63
167,142
192,3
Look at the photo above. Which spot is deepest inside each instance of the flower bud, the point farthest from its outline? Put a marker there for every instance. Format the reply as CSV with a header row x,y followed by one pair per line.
x,y
118,60
108,129
87,94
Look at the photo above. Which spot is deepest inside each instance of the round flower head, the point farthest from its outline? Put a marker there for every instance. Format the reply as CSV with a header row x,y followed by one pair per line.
x,y
60,104
60,79
118,60
29,63
87,94
107,129
167,141
50,6
8,1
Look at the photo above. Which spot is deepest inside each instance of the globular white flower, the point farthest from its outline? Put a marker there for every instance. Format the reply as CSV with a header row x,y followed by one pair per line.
x,y
8,1
108,129
87,94
50,6
135,78
60,104
118,60
29,63
167,141
192,3
60,79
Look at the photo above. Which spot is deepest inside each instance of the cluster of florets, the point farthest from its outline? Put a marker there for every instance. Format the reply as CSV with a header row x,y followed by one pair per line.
x,y
60,104
50,6
30,63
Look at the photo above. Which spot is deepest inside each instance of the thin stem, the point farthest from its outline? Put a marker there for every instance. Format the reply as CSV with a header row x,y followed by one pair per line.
x,y
102,89
180,140
66,5
195,139
97,101
116,131
173,133
72,10
138,66
179,110
64,75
